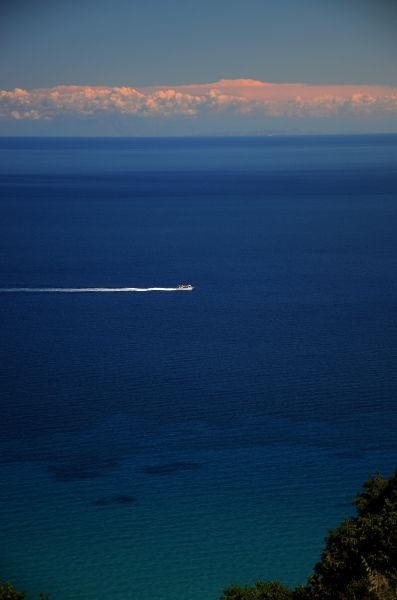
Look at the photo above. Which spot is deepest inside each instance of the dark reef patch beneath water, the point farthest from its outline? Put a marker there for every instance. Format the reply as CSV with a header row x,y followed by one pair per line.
x,y
117,500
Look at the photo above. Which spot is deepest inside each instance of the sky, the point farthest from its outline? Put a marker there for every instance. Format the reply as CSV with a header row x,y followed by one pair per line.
x,y
184,67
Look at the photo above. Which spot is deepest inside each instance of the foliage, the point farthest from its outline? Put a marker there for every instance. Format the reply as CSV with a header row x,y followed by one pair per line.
x,y
8,592
359,561
360,557
263,590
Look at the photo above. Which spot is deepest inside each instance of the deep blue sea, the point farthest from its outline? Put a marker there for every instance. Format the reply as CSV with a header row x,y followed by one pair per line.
x,y
161,446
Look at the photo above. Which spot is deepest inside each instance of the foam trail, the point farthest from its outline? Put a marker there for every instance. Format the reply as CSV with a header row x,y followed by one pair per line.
x,y
54,290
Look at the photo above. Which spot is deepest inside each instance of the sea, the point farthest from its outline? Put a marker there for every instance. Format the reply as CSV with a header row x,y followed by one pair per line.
x,y
165,445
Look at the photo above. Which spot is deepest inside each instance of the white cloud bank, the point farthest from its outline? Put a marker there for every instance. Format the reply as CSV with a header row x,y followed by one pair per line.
x,y
240,97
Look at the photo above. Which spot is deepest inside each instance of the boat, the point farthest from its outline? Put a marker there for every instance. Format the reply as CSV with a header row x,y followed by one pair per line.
x,y
184,286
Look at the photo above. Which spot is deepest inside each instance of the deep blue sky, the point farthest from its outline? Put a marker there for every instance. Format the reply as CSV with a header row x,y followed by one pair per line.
x,y
144,42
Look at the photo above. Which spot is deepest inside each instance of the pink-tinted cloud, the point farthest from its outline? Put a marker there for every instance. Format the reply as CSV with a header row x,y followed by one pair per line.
x,y
240,96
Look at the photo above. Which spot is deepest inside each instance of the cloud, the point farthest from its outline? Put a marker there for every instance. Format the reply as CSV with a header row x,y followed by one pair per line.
x,y
239,96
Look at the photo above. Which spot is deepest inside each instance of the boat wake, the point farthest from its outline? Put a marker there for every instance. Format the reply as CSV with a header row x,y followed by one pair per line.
x,y
28,290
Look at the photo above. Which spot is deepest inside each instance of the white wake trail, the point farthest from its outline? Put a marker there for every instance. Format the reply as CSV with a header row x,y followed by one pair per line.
x,y
54,290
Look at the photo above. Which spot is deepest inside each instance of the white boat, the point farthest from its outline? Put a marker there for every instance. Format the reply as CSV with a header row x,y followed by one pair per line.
x,y
184,286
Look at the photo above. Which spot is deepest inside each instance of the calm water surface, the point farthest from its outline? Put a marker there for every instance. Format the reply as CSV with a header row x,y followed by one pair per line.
x,y
162,446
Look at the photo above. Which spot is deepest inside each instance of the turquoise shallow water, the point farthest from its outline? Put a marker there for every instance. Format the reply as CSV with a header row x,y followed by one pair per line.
x,y
164,446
